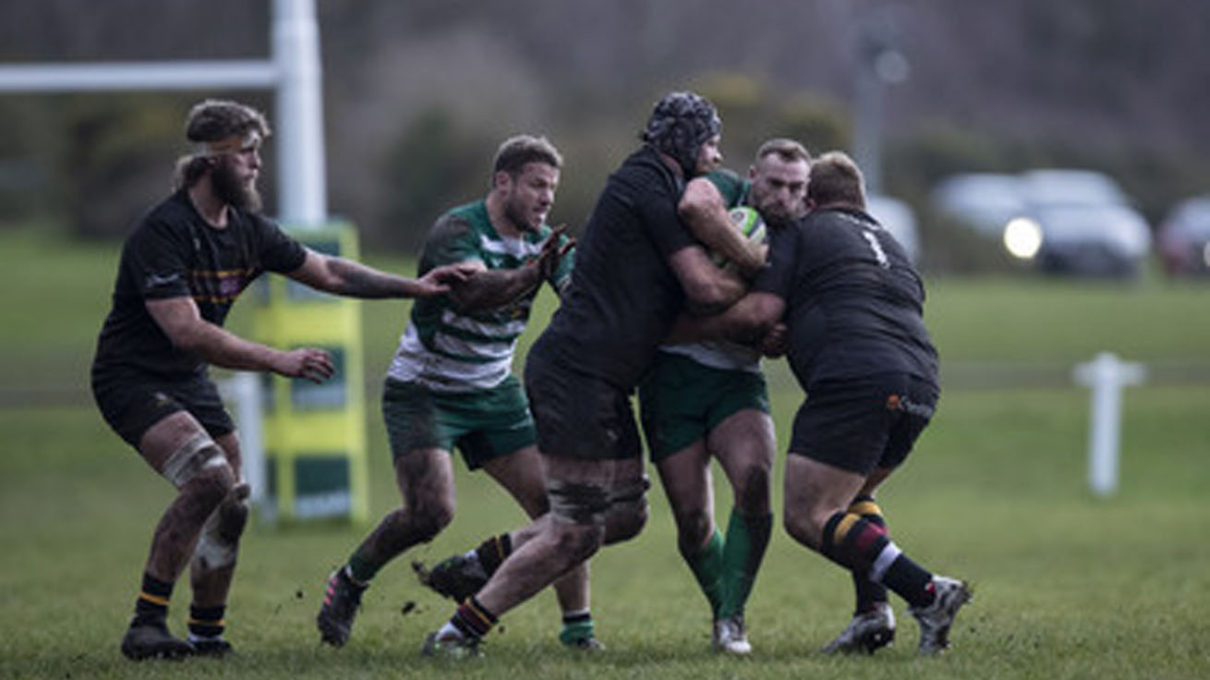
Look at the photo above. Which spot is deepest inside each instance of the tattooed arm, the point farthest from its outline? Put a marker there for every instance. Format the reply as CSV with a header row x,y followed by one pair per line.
x,y
341,276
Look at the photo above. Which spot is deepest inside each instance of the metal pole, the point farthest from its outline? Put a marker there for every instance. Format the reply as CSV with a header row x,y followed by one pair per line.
x,y
303,199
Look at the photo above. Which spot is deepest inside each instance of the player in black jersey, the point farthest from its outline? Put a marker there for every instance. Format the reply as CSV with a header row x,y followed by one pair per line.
x,y
637,268
181,270
858,346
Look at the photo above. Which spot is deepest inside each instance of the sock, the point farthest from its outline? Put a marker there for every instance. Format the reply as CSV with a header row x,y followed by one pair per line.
x,y
910,581
493,551
576,626
869,593
151,607
747,538
206,622
360,570
864,548
707,568
472,619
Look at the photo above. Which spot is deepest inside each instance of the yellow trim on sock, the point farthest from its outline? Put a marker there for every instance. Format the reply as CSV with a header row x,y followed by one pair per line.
x,y
154,599
199,622
487,622
865,508
843,526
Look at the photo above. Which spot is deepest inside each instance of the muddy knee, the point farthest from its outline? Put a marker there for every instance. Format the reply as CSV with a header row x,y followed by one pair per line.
x,y
627,513
218,544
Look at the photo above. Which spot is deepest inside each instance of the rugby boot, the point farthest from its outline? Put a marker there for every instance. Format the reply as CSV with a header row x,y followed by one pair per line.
x,y
730,636
868,632
456,577
937,618
451,646
341,600
215,647
151,640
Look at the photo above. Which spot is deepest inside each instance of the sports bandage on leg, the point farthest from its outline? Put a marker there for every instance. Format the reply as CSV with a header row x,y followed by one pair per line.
x,y
578,503
195,454
219,541
630,496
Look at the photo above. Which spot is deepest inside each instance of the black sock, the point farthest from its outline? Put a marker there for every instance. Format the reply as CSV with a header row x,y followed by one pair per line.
x,y
473,619
151,607
207,622
493,552
910,581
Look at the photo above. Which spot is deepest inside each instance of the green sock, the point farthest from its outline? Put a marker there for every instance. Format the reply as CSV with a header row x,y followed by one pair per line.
x,y
361,569
707,567
576,627
747,538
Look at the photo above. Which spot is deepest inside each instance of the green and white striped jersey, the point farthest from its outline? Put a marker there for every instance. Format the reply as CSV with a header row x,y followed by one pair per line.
x,y
447,350
722,354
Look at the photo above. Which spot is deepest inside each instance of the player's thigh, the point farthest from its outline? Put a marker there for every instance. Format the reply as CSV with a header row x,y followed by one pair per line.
x,y
425,477
745,446
685,476
166,436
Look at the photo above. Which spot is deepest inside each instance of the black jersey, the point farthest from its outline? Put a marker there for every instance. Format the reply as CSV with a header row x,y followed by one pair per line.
x,y
623,296
173,252
854,303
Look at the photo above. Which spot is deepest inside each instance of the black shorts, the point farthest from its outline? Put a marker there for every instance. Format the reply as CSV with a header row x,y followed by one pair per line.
x,y
131,401
580,416
860,424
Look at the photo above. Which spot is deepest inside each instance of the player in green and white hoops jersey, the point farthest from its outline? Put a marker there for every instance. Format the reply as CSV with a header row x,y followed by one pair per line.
x,y
709,399
451,382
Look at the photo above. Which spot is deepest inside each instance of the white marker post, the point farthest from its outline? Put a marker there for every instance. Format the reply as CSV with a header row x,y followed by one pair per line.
x,y
1106,375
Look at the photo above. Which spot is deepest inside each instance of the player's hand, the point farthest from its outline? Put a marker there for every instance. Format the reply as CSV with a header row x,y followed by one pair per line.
x,y
309,363
438,280
776,341
553,252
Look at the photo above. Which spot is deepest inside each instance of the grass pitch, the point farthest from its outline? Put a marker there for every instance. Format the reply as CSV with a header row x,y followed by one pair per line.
x,y
1068,586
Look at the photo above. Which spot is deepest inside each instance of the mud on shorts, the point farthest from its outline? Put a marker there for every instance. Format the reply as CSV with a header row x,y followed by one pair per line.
x,y
578,415
863,423
681,401
132,400
481,424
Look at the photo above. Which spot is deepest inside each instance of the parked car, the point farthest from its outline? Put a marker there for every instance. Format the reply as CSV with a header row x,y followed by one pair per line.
x,y
899,219
1086,223
1062,221
1061,186
1183,238
1109,240
983,201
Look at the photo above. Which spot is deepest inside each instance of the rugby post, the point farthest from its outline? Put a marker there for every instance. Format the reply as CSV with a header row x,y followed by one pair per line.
x,y
300,482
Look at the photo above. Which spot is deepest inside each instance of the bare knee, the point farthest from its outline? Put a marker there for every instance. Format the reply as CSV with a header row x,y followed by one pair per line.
x,y
428,517
206,490
218,543
753,489
692,530
627,513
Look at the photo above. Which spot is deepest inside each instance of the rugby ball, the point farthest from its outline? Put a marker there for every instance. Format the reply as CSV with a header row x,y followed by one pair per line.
x,y
749,223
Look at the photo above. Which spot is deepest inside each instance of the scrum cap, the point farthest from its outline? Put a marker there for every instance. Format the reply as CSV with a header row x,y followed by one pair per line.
x,y
680,123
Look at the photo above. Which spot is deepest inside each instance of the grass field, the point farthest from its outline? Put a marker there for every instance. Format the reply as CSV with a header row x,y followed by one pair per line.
x,y
1068,586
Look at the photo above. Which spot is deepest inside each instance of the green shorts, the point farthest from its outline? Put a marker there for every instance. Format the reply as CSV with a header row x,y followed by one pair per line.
x,y
681,401
482,424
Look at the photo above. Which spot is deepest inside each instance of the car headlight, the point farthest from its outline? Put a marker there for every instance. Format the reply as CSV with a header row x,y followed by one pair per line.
x,y
1022,238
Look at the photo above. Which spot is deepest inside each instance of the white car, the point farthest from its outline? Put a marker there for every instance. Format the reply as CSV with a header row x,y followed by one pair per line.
x,y
983,201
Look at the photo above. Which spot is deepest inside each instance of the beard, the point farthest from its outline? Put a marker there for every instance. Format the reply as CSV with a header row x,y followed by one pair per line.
x,y
230,190
515,212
